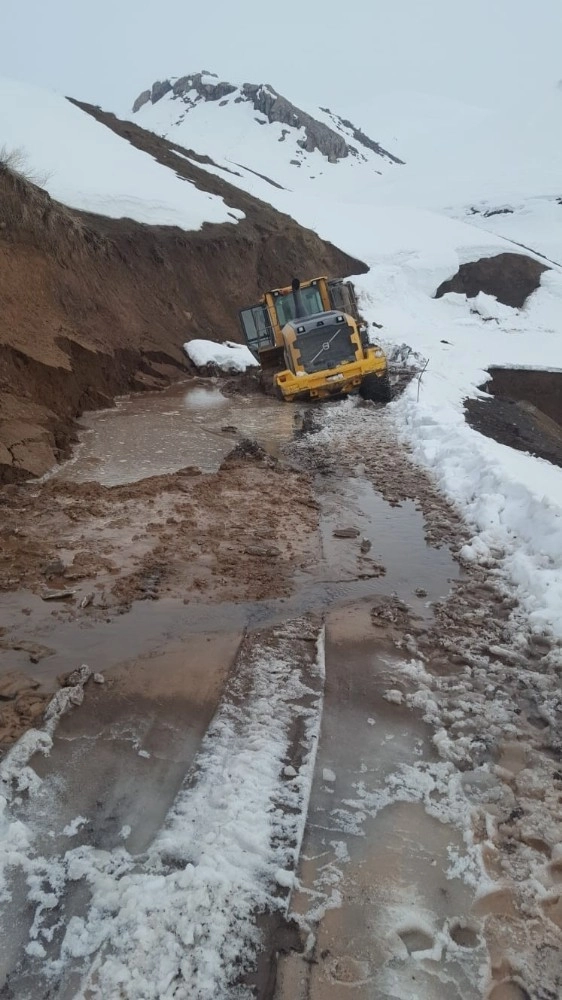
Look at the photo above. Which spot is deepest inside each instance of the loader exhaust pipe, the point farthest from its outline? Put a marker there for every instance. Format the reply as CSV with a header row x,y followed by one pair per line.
x,y
297,298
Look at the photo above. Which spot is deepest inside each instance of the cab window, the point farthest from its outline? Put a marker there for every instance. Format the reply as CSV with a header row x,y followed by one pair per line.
x,y
311,301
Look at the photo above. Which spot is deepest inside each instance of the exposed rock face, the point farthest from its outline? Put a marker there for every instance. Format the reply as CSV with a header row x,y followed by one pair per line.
x,y
205,87
159,89
141,100
194,87
361,138
277,109
510,277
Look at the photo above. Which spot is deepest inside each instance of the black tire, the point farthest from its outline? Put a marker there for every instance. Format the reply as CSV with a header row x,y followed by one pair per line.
x,y
376,388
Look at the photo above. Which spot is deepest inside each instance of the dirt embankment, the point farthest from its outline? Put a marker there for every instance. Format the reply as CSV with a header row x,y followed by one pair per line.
x,y
91,307
509,277
524,411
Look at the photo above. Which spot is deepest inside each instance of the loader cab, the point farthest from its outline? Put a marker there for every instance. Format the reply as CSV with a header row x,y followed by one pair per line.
x,y
262,324
303,300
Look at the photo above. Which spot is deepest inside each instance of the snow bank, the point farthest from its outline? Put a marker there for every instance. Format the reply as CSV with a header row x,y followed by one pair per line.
x,y
512,501
184,925
228,357
85,165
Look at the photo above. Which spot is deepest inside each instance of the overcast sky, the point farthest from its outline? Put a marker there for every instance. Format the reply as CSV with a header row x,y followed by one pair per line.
x,y
107,51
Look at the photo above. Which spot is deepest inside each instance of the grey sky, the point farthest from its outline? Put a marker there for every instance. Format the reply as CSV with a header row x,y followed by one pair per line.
x,y
107,51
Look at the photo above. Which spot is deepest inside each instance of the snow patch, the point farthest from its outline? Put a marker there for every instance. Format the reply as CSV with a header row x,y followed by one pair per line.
x,y
228,357
71,829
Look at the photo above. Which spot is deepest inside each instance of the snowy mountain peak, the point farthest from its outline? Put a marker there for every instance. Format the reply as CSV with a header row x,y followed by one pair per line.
x,y
334,137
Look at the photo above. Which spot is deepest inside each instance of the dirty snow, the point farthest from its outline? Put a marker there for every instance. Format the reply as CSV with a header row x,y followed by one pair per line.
x,y
71,829
228,357
83,164
180,921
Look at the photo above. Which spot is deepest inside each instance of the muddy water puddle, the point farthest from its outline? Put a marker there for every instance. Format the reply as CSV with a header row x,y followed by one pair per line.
x,y
191,424
399,562
390,539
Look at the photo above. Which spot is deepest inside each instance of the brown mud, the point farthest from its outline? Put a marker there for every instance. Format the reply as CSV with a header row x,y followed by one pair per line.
x,y
523,410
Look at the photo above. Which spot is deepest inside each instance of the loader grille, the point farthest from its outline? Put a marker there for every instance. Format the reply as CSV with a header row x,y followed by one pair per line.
x,y
327,347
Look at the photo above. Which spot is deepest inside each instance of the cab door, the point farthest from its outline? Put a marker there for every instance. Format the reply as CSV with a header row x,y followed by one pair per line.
x,y
256,328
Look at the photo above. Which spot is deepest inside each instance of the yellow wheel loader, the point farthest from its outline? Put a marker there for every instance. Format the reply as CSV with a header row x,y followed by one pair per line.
x,y
310,338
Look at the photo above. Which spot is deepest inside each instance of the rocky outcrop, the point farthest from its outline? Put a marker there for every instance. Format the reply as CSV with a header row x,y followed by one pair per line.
x,y
509,277
360,137
195,87
278,109
204,85
141,100
159,89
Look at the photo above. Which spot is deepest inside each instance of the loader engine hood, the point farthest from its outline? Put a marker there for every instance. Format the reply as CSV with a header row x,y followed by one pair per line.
x,y
323,341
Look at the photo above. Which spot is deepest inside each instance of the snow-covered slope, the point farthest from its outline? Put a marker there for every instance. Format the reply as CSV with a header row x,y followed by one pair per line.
x,y
465,162
252,129
500,168
84,165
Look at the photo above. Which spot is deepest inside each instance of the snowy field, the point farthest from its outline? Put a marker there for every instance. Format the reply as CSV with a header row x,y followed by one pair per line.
x,y
83,164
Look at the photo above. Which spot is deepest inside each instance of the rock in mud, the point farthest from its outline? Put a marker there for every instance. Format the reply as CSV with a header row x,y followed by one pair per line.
x,y
346,533
80,675
57,595
249,450
14,684
53,568
268,552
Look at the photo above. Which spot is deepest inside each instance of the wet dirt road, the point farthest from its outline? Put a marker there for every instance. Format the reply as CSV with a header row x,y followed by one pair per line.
x,y
384,914
427,869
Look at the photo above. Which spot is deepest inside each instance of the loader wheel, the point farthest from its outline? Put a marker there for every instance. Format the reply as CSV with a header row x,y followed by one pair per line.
x,y
376,388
